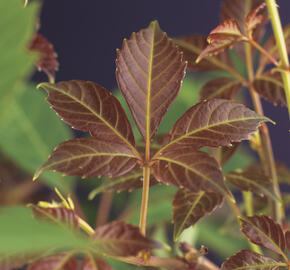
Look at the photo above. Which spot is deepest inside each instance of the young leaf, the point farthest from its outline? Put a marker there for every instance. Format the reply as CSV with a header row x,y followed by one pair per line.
x,y
63,261
246,259
149,74
270,87
90,157
189,207
95,263
265,232
250,180
87,106
130,181
226,88
190,169
225,35
253,19
120,239
48,58
192,46
216,122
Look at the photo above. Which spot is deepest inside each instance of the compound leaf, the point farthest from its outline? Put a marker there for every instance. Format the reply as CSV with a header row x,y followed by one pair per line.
x,y
264,231
190,169
90,157
246,259
120,239
226,88
149,73
189,207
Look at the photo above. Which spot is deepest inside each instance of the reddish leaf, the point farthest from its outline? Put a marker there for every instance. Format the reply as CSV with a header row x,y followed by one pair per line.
x,y
128,182
246,259
253,19
226,88
87,106
48,58
189,207
287,237
63,261
95,263
270,86
190,169
120,239
90,157
216,122
265,232
149,74
14,261
222,37
193,45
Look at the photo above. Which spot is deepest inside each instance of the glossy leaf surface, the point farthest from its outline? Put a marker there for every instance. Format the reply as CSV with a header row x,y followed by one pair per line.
x,y
246,259
120,239
90,157
63,261
95,263
226,88
265,232
87,106
225,35
189,207
216,122
149,73
48,58
270,87
190,169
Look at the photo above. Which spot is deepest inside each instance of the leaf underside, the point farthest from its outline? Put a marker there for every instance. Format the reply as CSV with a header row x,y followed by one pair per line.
x,y
189,207
149,73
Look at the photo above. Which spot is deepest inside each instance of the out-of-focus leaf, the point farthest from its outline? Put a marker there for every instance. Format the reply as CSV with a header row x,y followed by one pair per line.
x,y
189,207
95,263
130,181
287,237
193,45
90,157
190,169
88,106
48,58
270,87
149,74
253,19
226,152
246,259
226,88
63,261
21,233
216,122
265,232
223,36
283,173
14,261
27,138
250,180
120,239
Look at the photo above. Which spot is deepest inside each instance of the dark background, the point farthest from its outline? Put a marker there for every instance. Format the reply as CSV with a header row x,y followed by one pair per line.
x,y
86,34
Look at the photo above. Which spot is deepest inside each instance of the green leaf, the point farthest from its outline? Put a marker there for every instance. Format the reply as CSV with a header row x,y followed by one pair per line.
x,y
29,133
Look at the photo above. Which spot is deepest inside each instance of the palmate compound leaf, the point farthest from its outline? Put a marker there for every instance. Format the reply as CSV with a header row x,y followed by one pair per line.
x,y
193,45
223,36
149,72
226,88
190,169
189,207
213,123
89,107
249,260
270,87
63,261
90,157
264,231
47,60
120,239
95,263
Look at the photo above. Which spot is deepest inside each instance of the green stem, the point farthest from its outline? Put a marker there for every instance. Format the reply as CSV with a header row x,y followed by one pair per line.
x,y
85,226
281,45
248,200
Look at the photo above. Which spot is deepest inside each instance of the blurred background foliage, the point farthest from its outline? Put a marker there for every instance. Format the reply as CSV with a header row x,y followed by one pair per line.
x,y
29,131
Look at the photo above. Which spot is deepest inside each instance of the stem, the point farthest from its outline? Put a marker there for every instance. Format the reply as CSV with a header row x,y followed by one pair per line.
x,y
145,197
281,45
104,208
248,199
85,226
